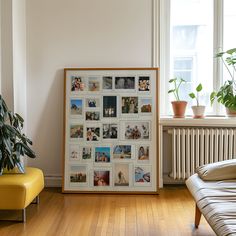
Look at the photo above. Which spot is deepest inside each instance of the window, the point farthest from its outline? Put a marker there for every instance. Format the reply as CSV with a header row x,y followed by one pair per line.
x,y
192,33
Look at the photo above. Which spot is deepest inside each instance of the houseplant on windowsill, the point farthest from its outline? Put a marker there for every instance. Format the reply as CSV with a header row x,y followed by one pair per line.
x,y
178,106
198,110
13,143
226,95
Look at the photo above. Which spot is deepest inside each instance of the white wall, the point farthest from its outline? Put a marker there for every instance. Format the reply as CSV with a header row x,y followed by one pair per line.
x,y
76,33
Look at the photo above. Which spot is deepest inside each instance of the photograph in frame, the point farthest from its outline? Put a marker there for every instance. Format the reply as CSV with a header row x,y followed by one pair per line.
x,y
125,83
94,84
76,107
101,178
86,153
136,130
122,152
92,115
121,174
145,105
142,175
109,106
74,152
102,154
78,84
143,152
107,83
92,102
110,131
78,174
129,105
76,131
144,84
93,133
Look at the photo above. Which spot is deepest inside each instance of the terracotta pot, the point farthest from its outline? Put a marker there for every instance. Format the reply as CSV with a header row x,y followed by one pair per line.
x,y
179,108
198,111
230,112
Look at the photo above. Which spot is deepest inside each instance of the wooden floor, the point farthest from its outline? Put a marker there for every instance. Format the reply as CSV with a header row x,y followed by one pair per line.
x,y
169,214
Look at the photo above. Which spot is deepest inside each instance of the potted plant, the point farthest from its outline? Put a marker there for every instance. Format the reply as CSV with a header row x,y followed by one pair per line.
x,y
178,106
198,110
226,95
13,143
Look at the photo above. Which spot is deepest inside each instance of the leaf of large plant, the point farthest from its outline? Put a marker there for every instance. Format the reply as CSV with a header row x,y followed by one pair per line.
x,y
231,51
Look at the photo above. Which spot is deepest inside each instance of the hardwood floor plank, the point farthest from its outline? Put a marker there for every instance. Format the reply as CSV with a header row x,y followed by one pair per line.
x,y
169,214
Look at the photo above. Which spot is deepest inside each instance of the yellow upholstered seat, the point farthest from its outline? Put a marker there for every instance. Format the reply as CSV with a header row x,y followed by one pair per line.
x,y
17,191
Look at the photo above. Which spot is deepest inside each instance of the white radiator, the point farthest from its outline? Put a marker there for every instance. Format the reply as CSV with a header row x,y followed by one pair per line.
x,y
192,147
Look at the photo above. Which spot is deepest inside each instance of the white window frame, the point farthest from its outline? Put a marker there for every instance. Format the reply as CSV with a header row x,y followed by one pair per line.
x,y
164,60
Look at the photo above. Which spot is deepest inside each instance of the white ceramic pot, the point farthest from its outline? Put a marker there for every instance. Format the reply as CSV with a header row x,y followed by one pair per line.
x,y
198,111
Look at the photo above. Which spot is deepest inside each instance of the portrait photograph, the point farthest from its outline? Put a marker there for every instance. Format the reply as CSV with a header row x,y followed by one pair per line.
x,y
86,153
129,105
125,83
102,154
107,82
93,134
74,152
92,115
93,84
142,174
76,107
76,131
78,83
92,102
109,106
110,131
78,174
144,83
121,174
122,152
146,105
137,130
143,153
101,178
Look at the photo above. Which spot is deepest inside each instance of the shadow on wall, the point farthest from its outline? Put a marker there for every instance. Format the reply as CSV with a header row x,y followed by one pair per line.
x,y
48,135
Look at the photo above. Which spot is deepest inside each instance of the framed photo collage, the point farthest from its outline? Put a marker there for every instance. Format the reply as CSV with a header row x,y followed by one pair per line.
x,y
111,130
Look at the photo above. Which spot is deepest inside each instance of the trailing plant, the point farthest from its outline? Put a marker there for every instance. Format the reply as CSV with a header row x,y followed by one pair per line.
x,y
177,81
13,143
196,96
226,95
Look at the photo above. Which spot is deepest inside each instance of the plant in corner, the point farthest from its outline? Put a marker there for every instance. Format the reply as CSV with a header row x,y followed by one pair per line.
x,y
198,110
226,95
13,143
178,106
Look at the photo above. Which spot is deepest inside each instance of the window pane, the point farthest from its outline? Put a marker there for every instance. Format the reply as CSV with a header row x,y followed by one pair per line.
x,y
191,48
229,29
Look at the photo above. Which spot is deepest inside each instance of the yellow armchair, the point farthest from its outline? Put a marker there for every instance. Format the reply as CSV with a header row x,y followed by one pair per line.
x,y
17,191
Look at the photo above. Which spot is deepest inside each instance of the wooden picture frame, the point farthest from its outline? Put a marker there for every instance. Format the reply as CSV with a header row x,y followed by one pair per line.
x,y
111,144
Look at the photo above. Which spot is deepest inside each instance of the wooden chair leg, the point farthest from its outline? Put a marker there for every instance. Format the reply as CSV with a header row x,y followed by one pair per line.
x,y
23,212
198,215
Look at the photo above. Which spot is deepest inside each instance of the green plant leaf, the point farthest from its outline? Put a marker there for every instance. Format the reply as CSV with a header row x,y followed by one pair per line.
x,y
171,91
212,97
172,80
192,95
199,88
19,117
231,51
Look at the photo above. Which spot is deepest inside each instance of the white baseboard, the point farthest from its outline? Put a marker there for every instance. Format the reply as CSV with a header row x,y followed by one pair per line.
x,y
53,181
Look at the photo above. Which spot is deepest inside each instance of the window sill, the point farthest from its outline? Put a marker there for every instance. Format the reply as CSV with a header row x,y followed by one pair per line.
x,y
222,121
